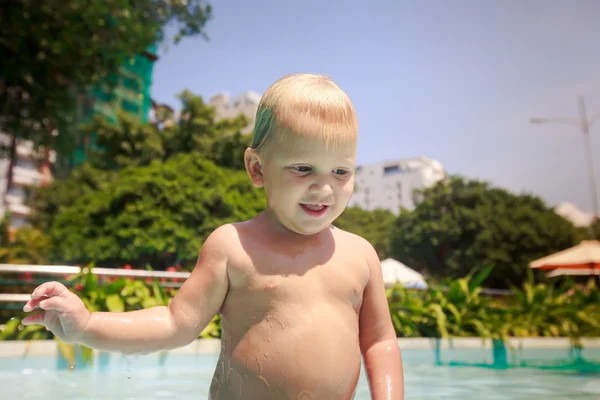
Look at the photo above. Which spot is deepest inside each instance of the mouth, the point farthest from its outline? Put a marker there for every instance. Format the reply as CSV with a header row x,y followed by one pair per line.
x,y
314,210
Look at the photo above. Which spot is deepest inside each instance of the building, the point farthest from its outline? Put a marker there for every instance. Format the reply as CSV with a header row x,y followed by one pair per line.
x,y
231,107
571,212
30,169
390,185
128,91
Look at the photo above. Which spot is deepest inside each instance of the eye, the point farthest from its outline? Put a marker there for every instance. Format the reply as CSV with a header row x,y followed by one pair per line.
x,y
302,169
340,172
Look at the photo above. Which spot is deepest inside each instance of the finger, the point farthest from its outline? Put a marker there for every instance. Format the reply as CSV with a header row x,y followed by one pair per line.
x,y
50,289
37,319
32,304
54,303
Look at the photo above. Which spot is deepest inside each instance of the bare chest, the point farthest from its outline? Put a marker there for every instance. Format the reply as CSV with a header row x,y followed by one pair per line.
x,y
271,277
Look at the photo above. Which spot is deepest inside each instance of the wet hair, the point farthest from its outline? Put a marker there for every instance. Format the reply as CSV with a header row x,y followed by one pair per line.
x,y
307,105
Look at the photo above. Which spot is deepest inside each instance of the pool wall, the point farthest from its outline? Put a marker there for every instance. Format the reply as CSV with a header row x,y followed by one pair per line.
x,y
22,348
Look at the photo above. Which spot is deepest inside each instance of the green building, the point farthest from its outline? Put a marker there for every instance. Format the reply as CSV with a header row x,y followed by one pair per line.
x,y
128,91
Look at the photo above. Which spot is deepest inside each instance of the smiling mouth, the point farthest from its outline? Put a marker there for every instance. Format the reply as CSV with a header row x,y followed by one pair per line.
x,y
315,210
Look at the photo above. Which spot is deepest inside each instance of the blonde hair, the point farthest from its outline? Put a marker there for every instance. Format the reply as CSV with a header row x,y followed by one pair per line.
x,y
307,105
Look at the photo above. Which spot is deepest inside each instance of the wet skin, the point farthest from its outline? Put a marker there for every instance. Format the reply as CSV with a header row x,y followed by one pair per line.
x,y
300,300
290,317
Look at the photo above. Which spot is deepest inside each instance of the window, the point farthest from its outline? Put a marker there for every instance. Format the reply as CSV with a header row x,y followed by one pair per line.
x,y
130,107
16,191
130,83
18,221
399,190
392,170
26,163
104,96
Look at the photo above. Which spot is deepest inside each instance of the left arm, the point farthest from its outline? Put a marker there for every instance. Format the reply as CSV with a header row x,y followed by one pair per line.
x,y
378,342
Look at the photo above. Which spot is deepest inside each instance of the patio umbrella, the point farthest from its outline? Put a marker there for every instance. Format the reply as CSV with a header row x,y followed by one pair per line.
x,y
582,259
394,271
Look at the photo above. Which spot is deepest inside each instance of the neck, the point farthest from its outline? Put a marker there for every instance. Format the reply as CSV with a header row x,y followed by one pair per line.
x,y
281,232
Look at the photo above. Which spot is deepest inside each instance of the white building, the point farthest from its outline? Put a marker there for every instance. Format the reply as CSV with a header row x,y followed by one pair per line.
x,y
574,214
29,170
230,107
390,185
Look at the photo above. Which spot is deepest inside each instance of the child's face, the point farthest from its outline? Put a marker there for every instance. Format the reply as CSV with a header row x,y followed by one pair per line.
x,y
307,184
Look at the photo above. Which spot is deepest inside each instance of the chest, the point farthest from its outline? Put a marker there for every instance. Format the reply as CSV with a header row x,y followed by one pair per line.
x,y
270,276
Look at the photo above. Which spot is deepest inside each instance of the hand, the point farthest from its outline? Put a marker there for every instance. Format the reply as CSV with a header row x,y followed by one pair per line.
x,y
64,314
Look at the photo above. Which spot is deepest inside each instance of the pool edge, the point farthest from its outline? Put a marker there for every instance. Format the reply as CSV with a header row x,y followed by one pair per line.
x,y
21,348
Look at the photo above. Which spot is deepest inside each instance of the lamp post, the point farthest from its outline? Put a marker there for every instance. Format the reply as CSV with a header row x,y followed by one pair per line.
x,y
584,125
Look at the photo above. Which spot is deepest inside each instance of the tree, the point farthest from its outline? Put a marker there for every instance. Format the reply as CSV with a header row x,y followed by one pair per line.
x,y
158,214
374,226
130,142
152,192
28,246
53,50
48,202
592,231
462,224
596,228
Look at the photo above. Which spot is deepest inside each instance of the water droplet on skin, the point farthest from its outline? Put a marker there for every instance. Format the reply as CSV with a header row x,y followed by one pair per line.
x,y
269,318
266,355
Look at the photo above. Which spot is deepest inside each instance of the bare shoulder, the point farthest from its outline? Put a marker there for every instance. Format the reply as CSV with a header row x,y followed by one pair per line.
x,y
221,241
361,247
232,239
221,236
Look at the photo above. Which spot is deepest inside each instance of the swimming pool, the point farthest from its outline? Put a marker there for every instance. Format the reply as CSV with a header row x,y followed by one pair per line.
x,y
465,374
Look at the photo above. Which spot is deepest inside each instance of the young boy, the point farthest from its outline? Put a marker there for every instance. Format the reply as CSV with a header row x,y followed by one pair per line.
x,y
300,300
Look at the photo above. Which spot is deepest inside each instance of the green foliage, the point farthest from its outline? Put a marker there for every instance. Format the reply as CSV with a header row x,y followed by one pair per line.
x,y
456,309
461,223
29,245
153,193
118,296
157,215
543,310
50,201
132,143
13,330
593,231
71,45
459,309
374,226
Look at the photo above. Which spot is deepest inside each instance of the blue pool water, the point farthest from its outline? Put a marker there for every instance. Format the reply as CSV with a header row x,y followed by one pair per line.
x,y
457,374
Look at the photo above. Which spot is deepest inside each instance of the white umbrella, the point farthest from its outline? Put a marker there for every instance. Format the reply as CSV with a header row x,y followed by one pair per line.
x,y
394,271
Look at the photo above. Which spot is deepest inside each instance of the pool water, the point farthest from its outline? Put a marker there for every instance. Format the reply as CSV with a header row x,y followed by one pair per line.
x,y
455,374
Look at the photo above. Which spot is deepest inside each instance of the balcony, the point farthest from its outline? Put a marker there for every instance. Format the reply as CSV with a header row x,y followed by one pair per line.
x,y
27,176
14,199
19,209
25,148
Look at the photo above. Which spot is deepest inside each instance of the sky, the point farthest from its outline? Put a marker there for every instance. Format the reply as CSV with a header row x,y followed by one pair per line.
x,y
456,80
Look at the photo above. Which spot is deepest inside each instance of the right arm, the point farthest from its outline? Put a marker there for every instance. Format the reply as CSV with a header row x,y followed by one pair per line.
x,y
143,331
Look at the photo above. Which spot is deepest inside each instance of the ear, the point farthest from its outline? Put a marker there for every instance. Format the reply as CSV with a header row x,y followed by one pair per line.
x,y
253,163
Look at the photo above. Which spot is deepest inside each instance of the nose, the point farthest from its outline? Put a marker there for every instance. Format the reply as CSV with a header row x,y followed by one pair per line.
x,y
321,189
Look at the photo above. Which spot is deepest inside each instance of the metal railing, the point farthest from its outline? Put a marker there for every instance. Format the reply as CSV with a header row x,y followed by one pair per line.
x,y
62,270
